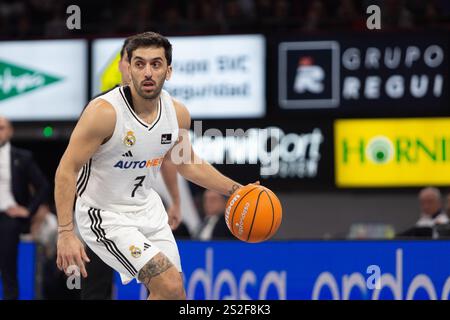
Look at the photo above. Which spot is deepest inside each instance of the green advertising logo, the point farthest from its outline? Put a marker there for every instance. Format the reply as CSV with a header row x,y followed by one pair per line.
x,y
380,150
16,80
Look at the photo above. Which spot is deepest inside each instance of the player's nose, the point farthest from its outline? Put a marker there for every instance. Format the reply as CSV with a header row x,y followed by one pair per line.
x,y
148,71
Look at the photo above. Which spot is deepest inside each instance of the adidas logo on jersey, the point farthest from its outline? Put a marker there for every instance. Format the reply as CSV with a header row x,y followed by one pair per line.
x,y
146,246
166,138
127,154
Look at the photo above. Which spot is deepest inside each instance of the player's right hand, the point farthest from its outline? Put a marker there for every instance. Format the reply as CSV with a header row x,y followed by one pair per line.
x,y
70,252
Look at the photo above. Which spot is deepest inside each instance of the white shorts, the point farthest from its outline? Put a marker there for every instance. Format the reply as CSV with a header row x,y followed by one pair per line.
x,y
127,241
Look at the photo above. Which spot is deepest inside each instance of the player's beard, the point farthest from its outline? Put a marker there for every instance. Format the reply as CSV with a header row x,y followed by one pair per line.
x,y
147,95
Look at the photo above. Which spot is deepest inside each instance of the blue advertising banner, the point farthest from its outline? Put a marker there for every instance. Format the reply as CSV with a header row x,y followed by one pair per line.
x,y
308,270
297,270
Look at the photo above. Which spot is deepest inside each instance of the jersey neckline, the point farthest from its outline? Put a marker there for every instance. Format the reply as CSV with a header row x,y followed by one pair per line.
x,y
125,92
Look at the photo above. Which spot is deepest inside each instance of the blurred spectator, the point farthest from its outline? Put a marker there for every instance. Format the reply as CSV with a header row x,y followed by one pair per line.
x,y
281,20
214,226
263,9
50,282
126,20
234,19
443,230
432,212
315,16
281,10
447,204
38,18
349,16
182,232
44,229
56,26
144,16
396,15
247,7
202,15
11,14
18,173
233,10
432,215
431,14
172,21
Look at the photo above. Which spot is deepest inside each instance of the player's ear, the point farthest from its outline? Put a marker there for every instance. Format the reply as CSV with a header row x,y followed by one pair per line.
x,y
169,72
129,71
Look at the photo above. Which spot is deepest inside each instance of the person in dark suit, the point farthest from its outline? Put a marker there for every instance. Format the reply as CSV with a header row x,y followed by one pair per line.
x,y
18,172
214,226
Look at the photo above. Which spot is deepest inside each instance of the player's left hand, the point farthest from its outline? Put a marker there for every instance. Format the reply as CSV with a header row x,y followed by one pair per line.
x,y
174,214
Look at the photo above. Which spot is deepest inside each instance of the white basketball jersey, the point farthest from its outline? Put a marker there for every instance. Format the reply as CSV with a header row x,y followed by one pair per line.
x,y
119,175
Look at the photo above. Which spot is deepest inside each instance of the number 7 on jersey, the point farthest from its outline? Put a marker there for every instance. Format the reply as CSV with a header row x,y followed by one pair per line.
x,y
140,180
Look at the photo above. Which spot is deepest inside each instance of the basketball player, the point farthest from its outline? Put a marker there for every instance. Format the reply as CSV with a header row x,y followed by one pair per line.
x,y
168,169
98,286
119,142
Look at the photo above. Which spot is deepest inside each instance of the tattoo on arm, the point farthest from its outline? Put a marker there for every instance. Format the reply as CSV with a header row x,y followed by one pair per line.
x,y
233,189
157,265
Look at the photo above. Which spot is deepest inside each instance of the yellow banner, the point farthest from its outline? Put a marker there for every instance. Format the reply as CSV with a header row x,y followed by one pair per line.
x,y
111,76
392,152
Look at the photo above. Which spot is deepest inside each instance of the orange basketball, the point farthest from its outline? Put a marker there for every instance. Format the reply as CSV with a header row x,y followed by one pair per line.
x,y
253,213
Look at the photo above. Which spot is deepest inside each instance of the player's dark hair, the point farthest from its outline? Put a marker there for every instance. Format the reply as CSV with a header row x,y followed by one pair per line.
x,y
125,43
149,39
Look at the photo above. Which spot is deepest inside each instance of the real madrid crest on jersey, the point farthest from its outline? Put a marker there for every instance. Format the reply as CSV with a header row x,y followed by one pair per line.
x,y
135,251
130,139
